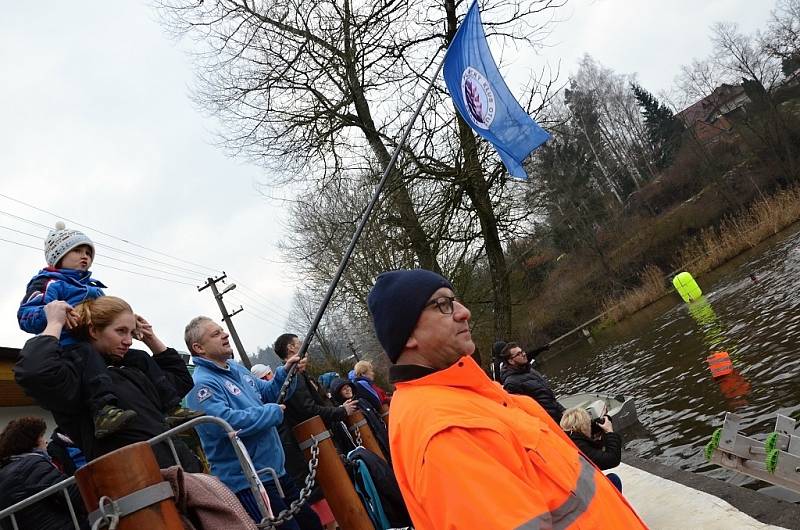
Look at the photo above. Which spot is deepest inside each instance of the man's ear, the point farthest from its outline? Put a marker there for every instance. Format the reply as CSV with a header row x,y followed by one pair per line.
x,y
412,342
197,348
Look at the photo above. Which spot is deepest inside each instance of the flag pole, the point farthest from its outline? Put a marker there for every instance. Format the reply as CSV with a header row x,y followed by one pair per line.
x,y
359,229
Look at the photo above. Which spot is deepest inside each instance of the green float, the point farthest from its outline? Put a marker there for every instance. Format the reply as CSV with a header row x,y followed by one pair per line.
x,y
687,287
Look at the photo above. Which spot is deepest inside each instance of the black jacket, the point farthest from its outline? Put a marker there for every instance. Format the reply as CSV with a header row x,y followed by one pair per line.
x,y
526,381
306,402
50,375
27,474
605,452
372,416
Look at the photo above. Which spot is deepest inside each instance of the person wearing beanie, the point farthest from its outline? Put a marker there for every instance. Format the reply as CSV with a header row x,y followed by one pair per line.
x,y
262,371
69,255
344,390
466,453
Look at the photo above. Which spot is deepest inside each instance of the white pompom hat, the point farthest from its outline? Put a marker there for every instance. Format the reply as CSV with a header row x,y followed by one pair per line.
x,y
61,240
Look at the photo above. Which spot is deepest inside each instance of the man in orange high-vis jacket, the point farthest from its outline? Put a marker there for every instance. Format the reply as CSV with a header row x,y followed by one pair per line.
x,y
467,454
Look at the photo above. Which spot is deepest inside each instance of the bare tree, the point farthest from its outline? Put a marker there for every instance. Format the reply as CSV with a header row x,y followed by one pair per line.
x,y
782,37
318,92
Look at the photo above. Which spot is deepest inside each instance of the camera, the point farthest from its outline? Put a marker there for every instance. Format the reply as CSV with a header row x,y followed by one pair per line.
x,y
596,429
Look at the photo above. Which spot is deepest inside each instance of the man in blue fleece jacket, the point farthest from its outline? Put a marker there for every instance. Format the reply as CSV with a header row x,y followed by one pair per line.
x,y
227,390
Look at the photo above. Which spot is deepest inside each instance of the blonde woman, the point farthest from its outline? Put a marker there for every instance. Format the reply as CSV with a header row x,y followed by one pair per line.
x,y
604,449
364,376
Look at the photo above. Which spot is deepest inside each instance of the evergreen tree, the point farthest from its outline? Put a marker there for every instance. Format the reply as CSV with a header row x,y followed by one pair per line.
x,y
663,127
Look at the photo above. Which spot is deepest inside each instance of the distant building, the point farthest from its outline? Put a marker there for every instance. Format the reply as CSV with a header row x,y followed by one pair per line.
x,y
13,401
710,119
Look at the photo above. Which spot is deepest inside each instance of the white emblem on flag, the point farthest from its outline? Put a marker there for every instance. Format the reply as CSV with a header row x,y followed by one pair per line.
x,y
233,389
203,394
476,91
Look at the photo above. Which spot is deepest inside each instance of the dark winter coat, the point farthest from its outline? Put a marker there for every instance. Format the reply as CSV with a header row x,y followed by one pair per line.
x,y
305,403
605,452
526,381
27,474
364,389
371,415
50,374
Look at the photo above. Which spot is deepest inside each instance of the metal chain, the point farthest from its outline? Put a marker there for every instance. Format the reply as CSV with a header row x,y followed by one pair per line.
x,y
111,518
305,493
357,433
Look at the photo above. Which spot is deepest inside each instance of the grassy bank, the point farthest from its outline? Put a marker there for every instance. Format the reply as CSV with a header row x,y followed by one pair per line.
x,y
713,247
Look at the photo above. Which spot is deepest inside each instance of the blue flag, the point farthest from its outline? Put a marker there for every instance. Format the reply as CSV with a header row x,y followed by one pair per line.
x,y
483,99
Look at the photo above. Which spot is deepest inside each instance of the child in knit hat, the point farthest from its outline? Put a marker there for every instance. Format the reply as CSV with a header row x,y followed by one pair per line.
x,y
69,255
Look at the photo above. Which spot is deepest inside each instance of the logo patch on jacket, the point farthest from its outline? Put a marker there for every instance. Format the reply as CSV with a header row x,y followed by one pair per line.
x,y
249,380
233,389
203,394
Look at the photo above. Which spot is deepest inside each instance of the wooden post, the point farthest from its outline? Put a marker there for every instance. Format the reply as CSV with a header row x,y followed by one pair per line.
x,y
333,478
357,422
124,471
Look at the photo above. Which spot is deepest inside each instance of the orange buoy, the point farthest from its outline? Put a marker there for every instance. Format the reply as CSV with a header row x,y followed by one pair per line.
x,y
719,363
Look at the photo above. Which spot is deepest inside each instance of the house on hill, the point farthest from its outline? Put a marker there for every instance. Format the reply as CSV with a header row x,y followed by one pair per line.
x,y
710,119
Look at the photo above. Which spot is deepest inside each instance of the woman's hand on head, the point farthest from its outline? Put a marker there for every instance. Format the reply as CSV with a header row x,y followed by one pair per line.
x,y
144,332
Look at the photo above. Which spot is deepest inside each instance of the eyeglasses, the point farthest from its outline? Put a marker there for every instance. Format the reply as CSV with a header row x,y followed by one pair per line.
x,y
444,303
516,355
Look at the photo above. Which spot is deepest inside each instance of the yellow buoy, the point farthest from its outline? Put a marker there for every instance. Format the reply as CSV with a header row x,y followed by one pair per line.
x,y
687,287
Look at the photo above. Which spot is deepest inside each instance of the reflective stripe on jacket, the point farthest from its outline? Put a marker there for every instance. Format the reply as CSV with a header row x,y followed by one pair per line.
x,y
469,455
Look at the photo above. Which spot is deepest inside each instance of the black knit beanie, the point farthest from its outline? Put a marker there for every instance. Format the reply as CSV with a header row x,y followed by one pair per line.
x,y
396,301
497,348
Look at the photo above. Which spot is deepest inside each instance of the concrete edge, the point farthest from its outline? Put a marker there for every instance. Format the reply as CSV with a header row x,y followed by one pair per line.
x,y
763,508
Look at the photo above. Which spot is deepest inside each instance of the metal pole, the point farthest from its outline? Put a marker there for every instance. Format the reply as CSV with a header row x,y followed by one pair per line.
x,y
226,317
360,228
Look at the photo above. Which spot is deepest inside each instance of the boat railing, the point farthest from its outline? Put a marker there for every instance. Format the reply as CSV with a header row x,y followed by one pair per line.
x,y
241,454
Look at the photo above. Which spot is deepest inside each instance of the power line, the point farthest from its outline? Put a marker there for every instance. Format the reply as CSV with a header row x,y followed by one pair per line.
x,y
257,310
109,247
107,234
20,244
269,309
104,265
146,275
111,257
266,304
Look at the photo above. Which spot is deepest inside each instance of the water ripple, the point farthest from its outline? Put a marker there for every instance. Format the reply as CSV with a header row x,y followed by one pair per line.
x,y
658,356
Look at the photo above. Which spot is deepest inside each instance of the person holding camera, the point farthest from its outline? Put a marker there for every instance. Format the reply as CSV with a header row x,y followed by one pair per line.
x,y
596,439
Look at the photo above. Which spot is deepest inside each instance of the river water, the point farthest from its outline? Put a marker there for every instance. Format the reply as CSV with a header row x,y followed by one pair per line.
x,y
658,356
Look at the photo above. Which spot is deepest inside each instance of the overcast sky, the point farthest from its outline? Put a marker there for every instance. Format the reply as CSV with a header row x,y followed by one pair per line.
x,y
97,127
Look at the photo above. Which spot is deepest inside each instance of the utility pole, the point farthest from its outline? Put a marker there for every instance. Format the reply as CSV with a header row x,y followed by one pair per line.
x,y
226,317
